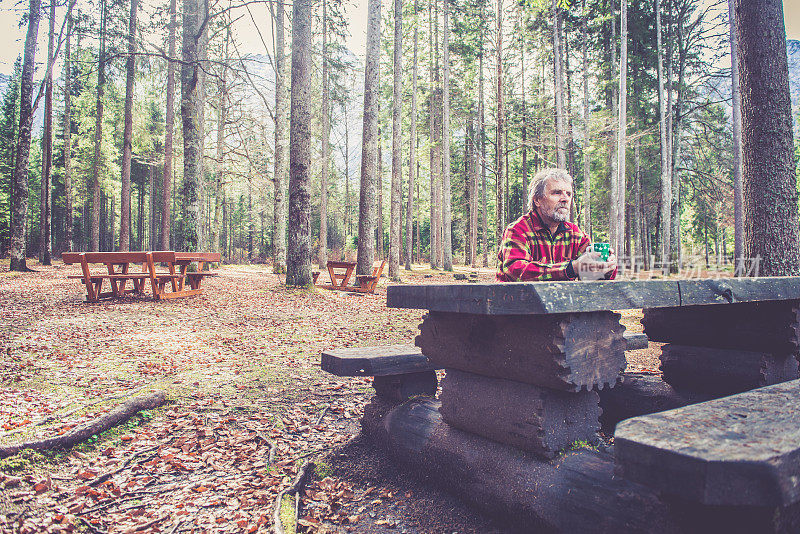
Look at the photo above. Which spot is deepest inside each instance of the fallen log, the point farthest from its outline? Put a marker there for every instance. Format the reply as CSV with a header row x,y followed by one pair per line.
x,y
101,424
577,492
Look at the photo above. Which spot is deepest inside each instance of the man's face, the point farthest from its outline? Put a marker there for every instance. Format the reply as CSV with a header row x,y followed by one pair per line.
x,y
555,203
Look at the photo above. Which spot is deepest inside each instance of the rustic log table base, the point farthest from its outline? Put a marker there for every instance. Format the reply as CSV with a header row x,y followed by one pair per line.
x,y
538,420
577,492
723,371
567,352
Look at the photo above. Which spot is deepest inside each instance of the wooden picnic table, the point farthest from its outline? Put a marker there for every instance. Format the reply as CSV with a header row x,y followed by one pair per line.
x,y
119,271
524,362
341,272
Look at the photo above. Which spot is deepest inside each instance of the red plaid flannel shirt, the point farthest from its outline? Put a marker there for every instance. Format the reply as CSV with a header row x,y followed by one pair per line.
x,y
529,252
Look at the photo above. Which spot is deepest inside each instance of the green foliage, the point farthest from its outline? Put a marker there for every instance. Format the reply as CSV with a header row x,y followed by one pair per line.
x,y
323,470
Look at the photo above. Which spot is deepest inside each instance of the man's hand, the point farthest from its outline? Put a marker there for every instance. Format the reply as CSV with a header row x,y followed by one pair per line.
x,y
590,266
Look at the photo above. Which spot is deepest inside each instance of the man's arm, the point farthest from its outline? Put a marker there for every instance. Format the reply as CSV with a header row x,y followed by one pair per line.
x,y
518,264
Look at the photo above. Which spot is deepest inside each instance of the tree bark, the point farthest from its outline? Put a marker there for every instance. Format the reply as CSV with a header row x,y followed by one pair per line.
x,y
222,120
397,144
435,138
46,198
279,235
19,200
587,180
412,153
67,128
98,131
736,117
127,135
322,258
298,257
369,146
166,177
482,134
666,170
447,226
770,182
499,207
558,91
621,244
195,37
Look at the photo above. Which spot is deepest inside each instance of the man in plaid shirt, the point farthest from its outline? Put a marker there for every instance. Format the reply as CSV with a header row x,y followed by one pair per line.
x,y
543,244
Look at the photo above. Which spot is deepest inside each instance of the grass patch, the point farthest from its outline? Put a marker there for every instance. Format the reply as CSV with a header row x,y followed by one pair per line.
x,y
288,520
24,460
323,470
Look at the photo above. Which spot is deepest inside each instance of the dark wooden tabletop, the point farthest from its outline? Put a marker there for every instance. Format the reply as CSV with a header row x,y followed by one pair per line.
x,y
574,297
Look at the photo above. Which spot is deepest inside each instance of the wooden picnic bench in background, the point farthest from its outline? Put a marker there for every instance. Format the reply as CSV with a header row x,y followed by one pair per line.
x,y
118,271
340,273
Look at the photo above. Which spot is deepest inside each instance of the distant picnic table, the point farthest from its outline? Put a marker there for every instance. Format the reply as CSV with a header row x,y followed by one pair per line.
x,y
168,283
340,273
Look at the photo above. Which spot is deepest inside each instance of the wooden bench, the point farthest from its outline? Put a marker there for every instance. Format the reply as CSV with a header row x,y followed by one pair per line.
x,y
194,278
165,284
367,282
118,272
738,450
400,371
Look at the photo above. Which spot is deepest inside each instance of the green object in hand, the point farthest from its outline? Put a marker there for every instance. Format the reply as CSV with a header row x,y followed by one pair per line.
x,y
603,248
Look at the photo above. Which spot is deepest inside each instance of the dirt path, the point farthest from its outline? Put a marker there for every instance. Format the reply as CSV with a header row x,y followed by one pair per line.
x,y
240,364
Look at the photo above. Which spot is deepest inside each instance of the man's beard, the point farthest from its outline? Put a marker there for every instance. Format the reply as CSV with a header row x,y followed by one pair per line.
x,y
557,215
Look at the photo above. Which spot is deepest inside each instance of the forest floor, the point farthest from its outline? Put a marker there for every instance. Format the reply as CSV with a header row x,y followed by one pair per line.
x,y
240,365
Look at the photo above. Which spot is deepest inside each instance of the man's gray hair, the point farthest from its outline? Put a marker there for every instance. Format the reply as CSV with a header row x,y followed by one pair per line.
x,y
540,179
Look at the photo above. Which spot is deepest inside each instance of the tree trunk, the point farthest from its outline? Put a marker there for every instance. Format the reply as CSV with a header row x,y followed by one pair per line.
x,y
397,144
666,178
558,89
347,228
195,37
638,249
127,135
152,239
369,146
587,180
19,200
279,233
622,243
67,245
433,129
46,197
322,256
472,187
613,230
499,207
770,182
166,177
447,238
482,134
736,116
98,131
524,128
222,120
412,153
379,172
298,257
